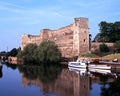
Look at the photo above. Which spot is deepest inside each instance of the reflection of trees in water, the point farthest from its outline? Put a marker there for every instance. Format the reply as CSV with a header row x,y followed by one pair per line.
x,y
109,89
44,73
1,74
12,66
103,79
115,87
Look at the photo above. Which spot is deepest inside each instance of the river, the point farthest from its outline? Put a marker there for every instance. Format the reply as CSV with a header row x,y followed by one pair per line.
x,y
24,80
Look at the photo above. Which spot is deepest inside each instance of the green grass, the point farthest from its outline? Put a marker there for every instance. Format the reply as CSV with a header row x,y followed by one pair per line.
x,y
111,57
89,55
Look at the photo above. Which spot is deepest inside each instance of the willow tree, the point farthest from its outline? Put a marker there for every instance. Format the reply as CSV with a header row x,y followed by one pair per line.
x,y
27,55
48,52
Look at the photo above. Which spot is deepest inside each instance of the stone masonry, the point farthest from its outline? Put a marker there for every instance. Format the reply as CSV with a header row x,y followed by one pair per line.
x,y
72,40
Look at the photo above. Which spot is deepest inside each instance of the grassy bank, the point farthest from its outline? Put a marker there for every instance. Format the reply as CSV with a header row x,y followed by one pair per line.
x,y
111,57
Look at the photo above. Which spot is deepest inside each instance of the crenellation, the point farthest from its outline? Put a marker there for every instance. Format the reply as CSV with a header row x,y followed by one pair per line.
x,y
72,40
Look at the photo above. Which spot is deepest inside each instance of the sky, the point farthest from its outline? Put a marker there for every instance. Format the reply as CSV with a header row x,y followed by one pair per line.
x,y
19,17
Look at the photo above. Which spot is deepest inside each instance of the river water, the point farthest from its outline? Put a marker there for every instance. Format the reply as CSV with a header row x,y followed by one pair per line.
x,y
26,80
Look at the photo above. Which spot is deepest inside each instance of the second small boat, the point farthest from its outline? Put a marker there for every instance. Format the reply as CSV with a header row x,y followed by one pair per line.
x,y
78,64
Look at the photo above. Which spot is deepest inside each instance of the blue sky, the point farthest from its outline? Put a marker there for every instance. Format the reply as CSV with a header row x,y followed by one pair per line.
x,y
19,17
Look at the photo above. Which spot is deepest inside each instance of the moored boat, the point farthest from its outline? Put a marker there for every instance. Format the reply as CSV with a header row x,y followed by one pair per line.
x,y
78,64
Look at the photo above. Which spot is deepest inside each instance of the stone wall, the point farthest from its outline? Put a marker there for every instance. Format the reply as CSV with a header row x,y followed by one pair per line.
x,y
72,40
95,45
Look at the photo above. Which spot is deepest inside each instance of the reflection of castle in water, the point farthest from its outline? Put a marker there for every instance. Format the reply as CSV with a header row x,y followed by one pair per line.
x,y
68,83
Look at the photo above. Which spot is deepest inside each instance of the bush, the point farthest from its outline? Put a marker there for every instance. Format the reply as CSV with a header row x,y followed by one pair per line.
x,y
103,48
117,46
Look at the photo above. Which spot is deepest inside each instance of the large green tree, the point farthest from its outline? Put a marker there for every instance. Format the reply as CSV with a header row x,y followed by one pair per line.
x,y
109,32
48,52
27,55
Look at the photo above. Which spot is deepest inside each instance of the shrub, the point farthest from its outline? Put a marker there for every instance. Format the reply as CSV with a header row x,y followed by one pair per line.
x,y
103,48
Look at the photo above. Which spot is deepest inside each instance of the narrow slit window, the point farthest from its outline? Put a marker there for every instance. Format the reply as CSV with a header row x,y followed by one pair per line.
x,y
84,40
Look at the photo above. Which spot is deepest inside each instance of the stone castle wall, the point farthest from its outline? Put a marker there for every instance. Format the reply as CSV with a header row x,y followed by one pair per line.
x,y
95,45
72,40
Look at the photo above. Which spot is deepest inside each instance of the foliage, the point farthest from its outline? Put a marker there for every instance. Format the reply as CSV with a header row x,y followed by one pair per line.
x,y
48,52
28,53
103,48
13,52
109,32
98,38
117,46
3,53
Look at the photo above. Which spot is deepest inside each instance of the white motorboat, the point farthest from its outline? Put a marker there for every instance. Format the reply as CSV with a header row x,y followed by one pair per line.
x,y
99,67
78,64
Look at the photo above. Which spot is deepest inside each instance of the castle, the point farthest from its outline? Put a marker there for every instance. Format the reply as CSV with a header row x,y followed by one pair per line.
x,y
72,40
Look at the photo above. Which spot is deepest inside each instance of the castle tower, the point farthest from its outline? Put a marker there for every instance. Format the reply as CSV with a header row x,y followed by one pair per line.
x,y
80,36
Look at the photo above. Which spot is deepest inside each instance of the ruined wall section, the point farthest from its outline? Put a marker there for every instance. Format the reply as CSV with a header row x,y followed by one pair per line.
x,y
63,37
27,39
95,45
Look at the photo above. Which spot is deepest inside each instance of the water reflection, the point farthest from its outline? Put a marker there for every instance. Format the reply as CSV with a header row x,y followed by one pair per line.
x,y
53,79
109,83
69,82
12,66
1,74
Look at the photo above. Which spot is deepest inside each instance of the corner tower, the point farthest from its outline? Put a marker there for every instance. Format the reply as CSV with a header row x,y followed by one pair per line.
x,y
80,36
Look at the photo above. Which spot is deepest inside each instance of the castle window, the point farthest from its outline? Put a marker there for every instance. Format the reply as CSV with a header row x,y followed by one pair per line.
x,y
84,40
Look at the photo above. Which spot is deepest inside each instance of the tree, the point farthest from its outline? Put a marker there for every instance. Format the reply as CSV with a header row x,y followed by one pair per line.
x,y
103,48
109,32
13,52
27,55
117,46
98,38
48,52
